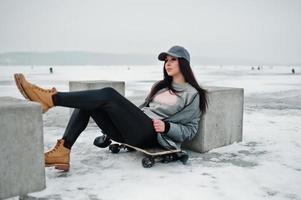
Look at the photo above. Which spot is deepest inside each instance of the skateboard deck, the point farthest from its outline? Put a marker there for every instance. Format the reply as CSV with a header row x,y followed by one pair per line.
x,y
153,155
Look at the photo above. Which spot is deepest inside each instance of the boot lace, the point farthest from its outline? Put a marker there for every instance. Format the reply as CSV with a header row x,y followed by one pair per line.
x,y
55,148
45,90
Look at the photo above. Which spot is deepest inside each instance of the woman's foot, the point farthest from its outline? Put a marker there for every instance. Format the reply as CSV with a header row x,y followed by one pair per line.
x,y
58,157
35,93
102,141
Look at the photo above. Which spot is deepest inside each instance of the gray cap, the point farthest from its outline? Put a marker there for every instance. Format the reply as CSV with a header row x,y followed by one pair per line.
x,y
175,51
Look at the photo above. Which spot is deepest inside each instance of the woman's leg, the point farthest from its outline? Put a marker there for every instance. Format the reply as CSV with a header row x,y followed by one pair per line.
x,y
104,122
135,127
59,156
79,121
76,125
87,99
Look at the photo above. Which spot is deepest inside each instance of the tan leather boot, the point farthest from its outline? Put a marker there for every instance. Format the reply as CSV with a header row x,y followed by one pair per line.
x,y
59,156
35,93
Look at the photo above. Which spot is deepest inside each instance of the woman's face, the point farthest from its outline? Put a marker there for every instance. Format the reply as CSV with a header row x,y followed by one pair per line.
x,y
172,66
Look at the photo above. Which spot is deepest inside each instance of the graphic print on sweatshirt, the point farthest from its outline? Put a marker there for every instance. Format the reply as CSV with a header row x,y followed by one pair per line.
x,y
167,97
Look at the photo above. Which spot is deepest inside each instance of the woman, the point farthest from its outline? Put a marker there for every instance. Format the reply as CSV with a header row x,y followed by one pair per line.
x,y
168,117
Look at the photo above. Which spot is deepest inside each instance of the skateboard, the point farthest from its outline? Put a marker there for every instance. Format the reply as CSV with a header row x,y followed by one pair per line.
x,y
152,155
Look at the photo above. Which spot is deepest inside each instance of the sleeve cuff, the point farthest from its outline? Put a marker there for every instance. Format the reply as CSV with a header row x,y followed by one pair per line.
x,y
167,127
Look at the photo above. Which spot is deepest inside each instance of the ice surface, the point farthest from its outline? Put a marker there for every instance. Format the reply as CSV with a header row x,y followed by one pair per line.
x,y
265,165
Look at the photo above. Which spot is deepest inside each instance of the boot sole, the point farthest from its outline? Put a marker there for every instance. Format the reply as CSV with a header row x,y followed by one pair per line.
x,y
17,78
63,167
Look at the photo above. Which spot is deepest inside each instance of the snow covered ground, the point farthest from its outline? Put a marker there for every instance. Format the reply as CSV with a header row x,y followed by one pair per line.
x,y
265,165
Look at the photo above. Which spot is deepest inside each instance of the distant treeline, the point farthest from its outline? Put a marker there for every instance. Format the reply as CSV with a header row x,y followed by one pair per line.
x,y
90,58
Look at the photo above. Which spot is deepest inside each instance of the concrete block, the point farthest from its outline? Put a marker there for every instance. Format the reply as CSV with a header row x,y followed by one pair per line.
x,y
21,148
137,98
91,85
222,124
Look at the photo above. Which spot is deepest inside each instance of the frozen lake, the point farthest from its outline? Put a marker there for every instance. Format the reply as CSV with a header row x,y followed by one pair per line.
x,y
265,165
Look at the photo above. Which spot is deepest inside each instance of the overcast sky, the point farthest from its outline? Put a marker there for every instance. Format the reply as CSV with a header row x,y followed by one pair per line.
x,y
248,29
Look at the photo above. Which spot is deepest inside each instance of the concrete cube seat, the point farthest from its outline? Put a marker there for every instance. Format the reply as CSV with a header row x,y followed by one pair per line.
x,y
97,84
222,124
21,148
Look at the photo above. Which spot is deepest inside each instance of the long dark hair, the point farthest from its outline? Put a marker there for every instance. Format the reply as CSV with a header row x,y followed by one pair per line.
x,y
186,70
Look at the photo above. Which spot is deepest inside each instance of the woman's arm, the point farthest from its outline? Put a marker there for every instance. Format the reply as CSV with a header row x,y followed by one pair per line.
x,y
177,132
185,129
183,132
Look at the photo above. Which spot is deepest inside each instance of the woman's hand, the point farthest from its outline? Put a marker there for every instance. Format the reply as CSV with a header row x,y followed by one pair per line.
x,y
159,125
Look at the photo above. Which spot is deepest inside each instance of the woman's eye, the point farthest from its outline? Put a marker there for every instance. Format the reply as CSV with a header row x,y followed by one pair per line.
x,y
172,59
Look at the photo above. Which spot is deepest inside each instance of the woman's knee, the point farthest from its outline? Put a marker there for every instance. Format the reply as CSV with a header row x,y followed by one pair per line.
x,y
109,92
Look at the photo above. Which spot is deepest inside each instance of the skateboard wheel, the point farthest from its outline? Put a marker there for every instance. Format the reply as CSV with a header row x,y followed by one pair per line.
x,y
114,148
184,158
148,162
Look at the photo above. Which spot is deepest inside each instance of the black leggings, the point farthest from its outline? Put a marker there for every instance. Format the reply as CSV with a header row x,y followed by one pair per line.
x,y
117,117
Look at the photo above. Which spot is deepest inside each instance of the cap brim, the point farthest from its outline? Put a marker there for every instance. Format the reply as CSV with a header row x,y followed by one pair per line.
x,y
163,55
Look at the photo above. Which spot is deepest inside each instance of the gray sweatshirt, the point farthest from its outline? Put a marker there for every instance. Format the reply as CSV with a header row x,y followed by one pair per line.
x,y
180,110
